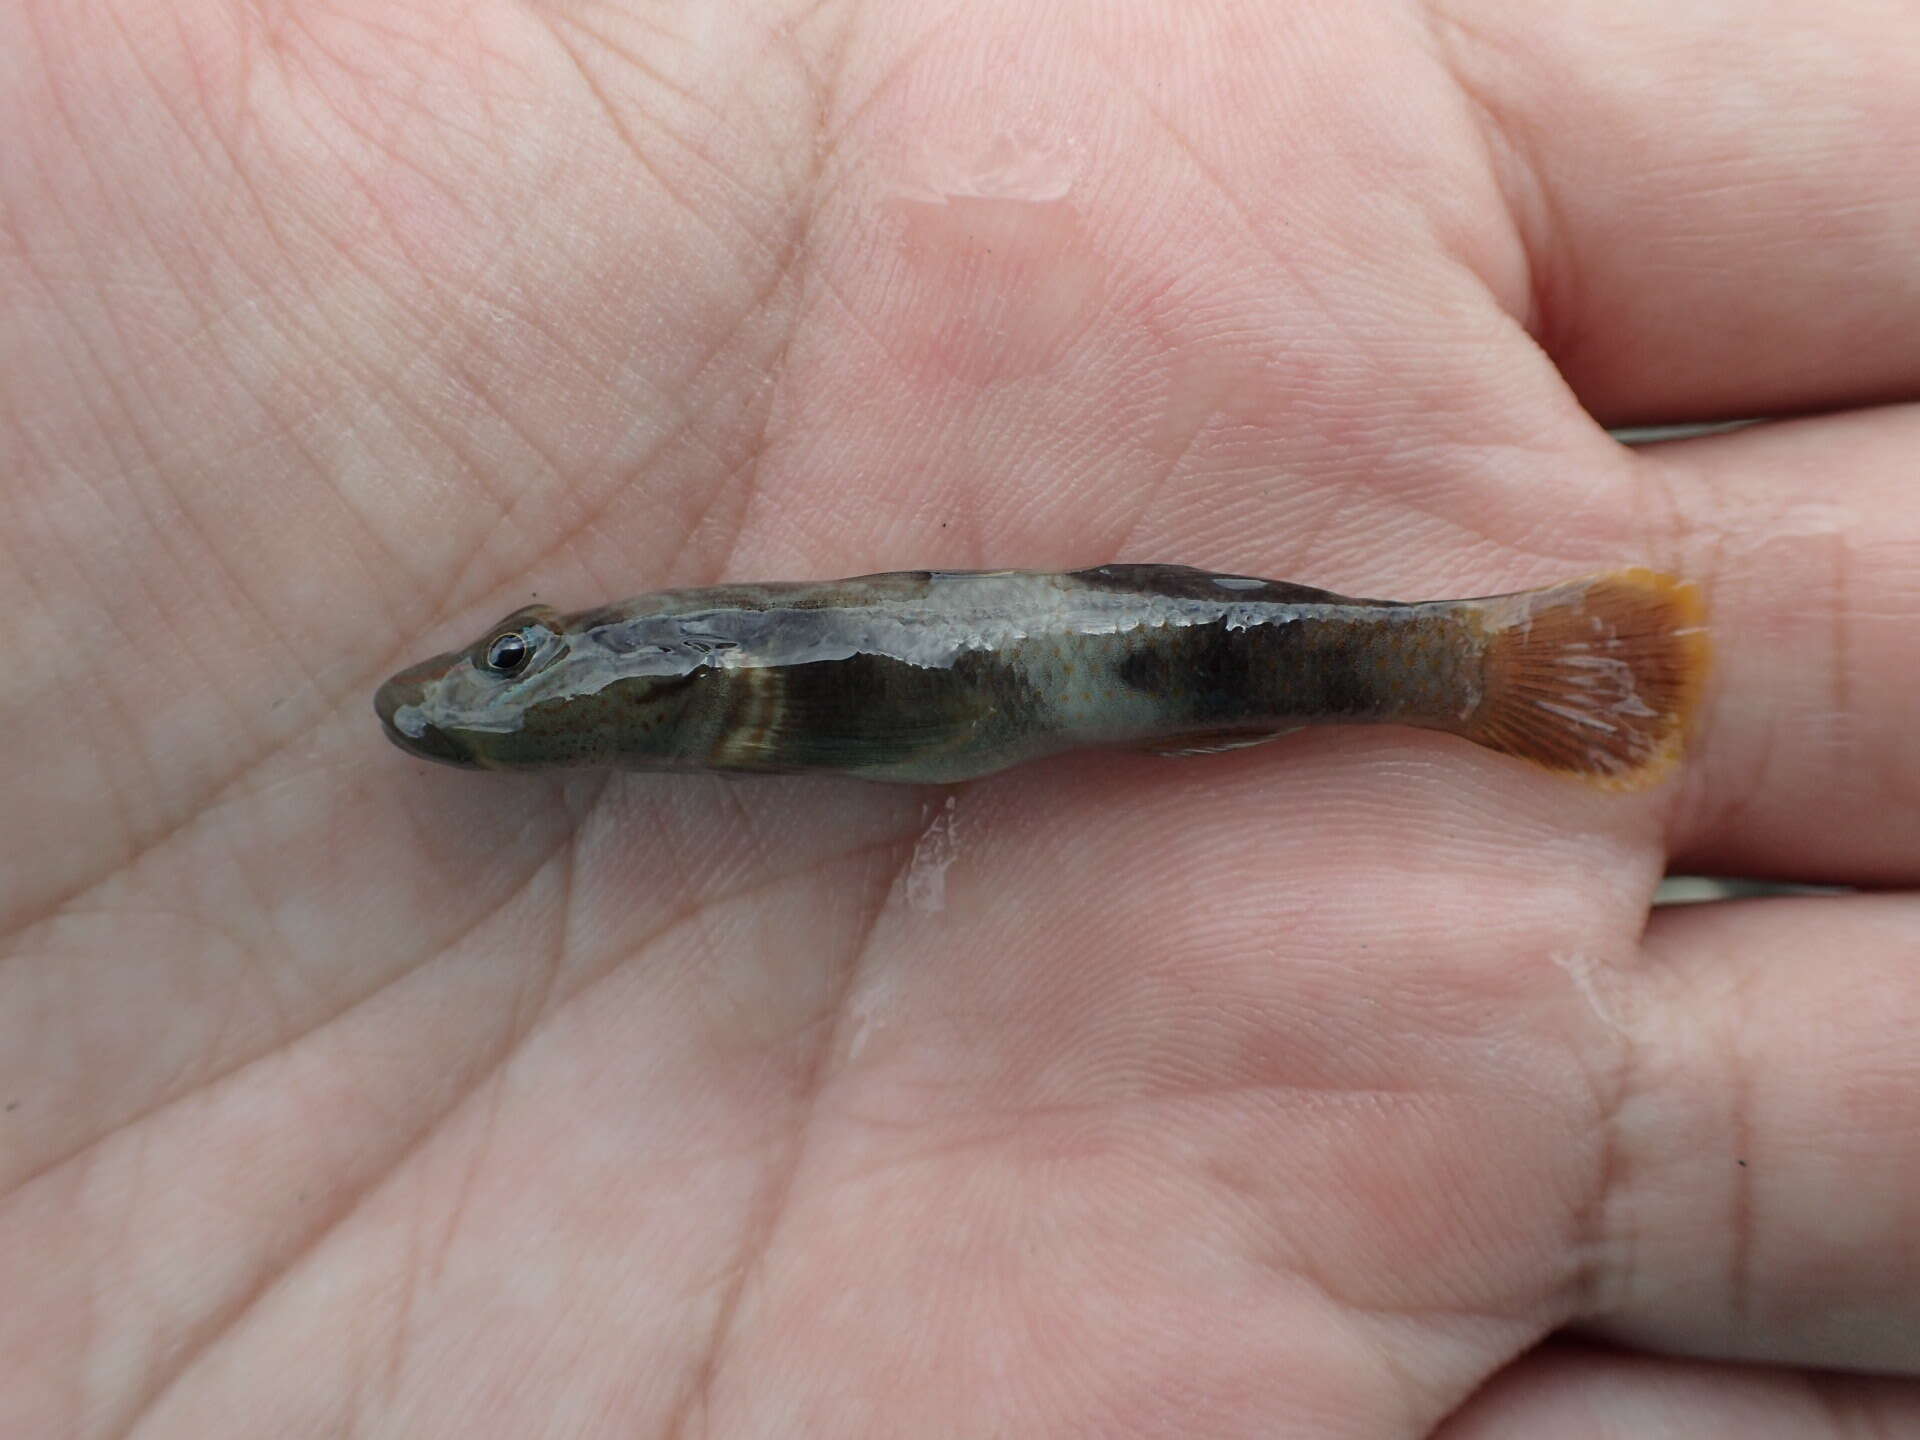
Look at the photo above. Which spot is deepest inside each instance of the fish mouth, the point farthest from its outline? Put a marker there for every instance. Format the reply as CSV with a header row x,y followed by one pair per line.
x,y
397,703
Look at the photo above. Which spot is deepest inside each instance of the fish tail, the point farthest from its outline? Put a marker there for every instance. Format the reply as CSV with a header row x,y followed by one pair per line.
x,y
1597,678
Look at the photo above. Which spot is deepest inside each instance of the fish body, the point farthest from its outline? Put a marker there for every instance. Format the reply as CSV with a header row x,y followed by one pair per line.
x,y
942,675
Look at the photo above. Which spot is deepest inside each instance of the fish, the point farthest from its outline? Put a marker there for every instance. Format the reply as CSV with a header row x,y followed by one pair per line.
x,y
941,676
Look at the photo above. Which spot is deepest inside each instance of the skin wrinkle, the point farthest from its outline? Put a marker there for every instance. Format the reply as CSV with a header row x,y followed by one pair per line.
x,y
1249,225
824,285
552,478
1737,1070
76,147
288,432
533,1000
276,948
397,158
1840,700
737,484
824,189
207,552
223,1321
1405,1386
1251,231
1740,1201
229,1318
691,416
118,803
786,260
1538,226
201,59
1286,1264
1591,1240
1409,497
1165,1097
443,602
382,381
215,1077
436,326
444,946
555,16
410,112
629,141
264,212
833,133
1551,264
1741,799
1695,822
16,955
369,81
686,427
763,1230
381,1375
1150,497
1480,538
181,110
790,272
138,847
717,170
136,53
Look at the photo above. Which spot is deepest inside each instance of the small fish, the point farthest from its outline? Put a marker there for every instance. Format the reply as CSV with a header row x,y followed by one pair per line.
x,y
945,675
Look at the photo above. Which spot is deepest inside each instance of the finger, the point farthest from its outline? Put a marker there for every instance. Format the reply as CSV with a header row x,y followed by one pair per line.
x,y
1720,218
1595,1394
1765,1194
1808,761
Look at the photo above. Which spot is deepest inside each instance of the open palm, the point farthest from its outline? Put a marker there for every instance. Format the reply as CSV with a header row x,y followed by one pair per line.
x,y
1305,1091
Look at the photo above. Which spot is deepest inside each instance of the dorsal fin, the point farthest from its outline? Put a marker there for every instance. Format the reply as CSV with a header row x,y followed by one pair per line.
x,y
1183,582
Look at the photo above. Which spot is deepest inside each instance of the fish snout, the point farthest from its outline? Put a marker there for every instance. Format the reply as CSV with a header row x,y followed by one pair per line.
x,y
398,704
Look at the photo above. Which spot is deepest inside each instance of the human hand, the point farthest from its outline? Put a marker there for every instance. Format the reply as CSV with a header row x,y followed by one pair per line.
x,y
1343,1087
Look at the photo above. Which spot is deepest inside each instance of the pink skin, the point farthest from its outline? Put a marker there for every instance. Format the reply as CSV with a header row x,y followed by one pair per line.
x,y
1300,1092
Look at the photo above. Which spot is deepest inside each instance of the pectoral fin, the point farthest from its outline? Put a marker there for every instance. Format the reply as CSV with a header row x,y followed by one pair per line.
x,y
1213,742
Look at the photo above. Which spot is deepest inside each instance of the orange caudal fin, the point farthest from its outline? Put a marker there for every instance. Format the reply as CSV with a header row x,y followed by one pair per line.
x,y
1597,678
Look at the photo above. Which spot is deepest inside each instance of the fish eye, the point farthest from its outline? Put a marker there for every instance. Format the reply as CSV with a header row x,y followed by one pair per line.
x,y
507,654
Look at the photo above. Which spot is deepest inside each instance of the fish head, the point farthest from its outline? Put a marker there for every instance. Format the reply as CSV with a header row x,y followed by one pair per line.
x,y
536,691
450,708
